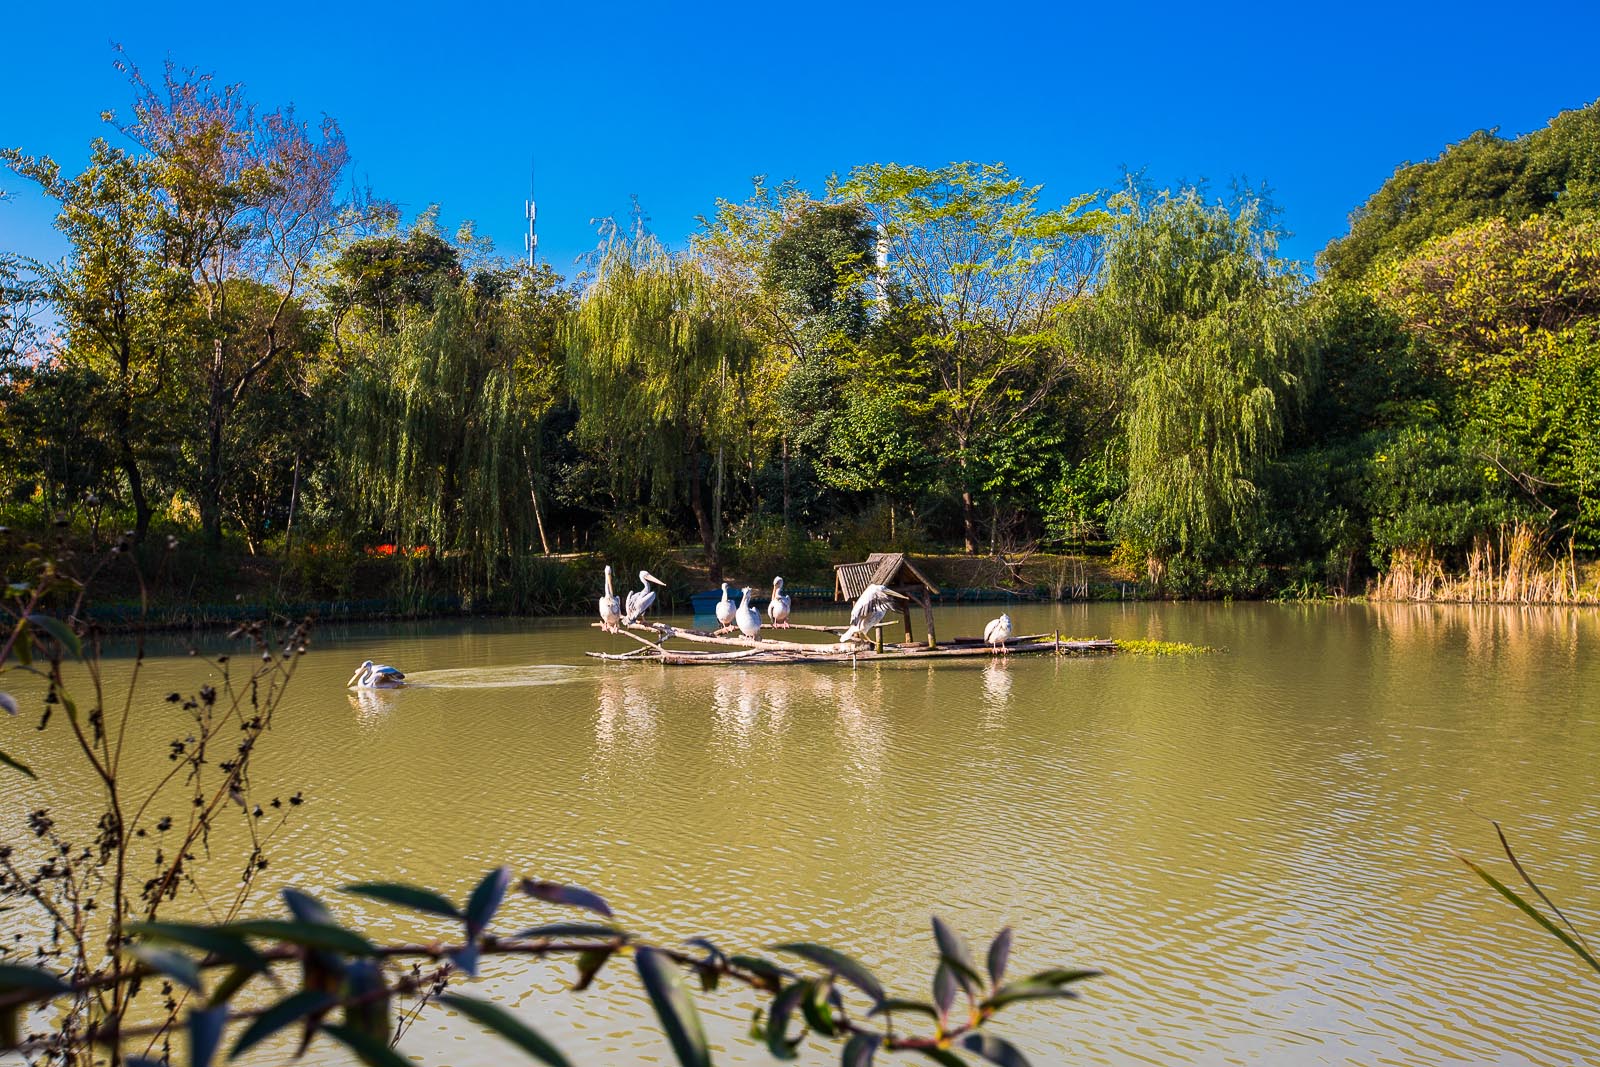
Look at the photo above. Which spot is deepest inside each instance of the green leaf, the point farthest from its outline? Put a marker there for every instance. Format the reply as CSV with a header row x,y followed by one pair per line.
x,y
1062,975
943,1056
893,1004
310,935
23,645
407,896
783,1005
368,1050
231,983
485,900
953,950
819,1010
18,979
589,964
58,630
208,939
995,1050
507,1026
18,765
1533,913
674,1007
1034,989
944,987
165,961
610,933
556,893
307,908
289,1010
758,966
999,956
860,1049
836,962
205,1034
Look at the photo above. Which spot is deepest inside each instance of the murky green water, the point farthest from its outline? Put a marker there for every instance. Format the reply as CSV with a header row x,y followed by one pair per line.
x,y
1256,845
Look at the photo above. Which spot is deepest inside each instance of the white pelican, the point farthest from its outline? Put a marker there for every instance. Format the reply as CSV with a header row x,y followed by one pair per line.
x,y
725,608
749,618
870,608
998,632
610,606
375,676
778,606
639,600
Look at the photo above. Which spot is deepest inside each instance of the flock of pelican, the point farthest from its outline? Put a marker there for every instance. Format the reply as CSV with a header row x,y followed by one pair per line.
x,y
875,602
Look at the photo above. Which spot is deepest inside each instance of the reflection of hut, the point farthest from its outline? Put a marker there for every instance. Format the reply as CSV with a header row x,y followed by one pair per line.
x,y
896,571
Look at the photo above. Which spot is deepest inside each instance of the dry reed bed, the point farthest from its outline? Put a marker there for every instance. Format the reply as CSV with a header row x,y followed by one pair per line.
x,y
1513,567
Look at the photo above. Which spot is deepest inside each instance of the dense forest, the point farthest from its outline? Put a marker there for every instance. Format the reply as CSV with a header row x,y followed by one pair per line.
x,y
243,355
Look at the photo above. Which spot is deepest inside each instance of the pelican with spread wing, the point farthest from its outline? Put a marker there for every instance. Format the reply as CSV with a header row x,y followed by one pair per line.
x,y
871,606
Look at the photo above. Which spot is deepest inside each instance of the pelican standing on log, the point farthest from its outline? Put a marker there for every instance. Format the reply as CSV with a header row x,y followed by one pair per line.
x,y
610,607
639,600
778,606
376,676
870,608
998,632
749,618
725,608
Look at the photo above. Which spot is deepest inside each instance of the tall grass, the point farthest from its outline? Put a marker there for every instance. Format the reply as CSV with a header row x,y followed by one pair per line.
x,y
1514,566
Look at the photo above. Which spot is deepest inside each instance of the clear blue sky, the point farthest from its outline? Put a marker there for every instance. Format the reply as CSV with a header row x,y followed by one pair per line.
x,y
448,102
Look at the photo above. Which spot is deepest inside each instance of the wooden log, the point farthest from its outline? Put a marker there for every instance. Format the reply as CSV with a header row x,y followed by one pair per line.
x,y
769,655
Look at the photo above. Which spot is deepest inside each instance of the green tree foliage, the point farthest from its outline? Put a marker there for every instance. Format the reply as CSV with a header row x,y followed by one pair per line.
x,y
434,434
1484,176
387,275
128,312
656,362
984,274
1510,313
247,200
1207,320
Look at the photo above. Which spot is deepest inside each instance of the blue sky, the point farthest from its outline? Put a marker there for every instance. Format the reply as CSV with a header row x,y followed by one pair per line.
x,y
683,104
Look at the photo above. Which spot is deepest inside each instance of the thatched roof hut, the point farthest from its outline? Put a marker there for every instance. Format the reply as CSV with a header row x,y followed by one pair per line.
x,y
896,571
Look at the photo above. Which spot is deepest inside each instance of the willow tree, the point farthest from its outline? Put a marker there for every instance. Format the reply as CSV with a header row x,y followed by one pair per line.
x,y
656,362
1206,321
433,437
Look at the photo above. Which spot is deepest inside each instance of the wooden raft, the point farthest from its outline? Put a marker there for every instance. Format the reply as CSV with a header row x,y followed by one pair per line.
x,y
778,651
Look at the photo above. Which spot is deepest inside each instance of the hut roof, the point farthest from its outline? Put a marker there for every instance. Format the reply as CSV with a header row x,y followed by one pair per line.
x,y
893,569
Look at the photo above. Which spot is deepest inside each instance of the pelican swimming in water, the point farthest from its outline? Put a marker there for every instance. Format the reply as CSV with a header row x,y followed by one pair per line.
x,y
610,607
375,676
639,600
725,608
870,608
749,618
778,606
998,632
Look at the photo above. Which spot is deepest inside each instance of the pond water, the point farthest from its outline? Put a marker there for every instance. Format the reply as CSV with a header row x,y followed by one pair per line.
x,y
1254,844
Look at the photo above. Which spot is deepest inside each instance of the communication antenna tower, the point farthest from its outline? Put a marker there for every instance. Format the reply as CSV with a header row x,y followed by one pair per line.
x,y
530,240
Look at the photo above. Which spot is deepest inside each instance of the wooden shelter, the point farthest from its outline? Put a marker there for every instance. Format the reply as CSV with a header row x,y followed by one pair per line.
x,y
896,571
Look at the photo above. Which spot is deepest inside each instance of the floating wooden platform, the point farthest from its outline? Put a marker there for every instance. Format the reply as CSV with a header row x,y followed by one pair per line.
x,y
777,651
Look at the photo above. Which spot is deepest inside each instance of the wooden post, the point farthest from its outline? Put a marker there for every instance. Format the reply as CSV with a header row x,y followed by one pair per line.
x,y
905,614
927,617
877,638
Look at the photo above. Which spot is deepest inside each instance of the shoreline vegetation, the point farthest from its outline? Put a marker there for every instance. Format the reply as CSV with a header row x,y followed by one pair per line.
x,y
1512,569
323,404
